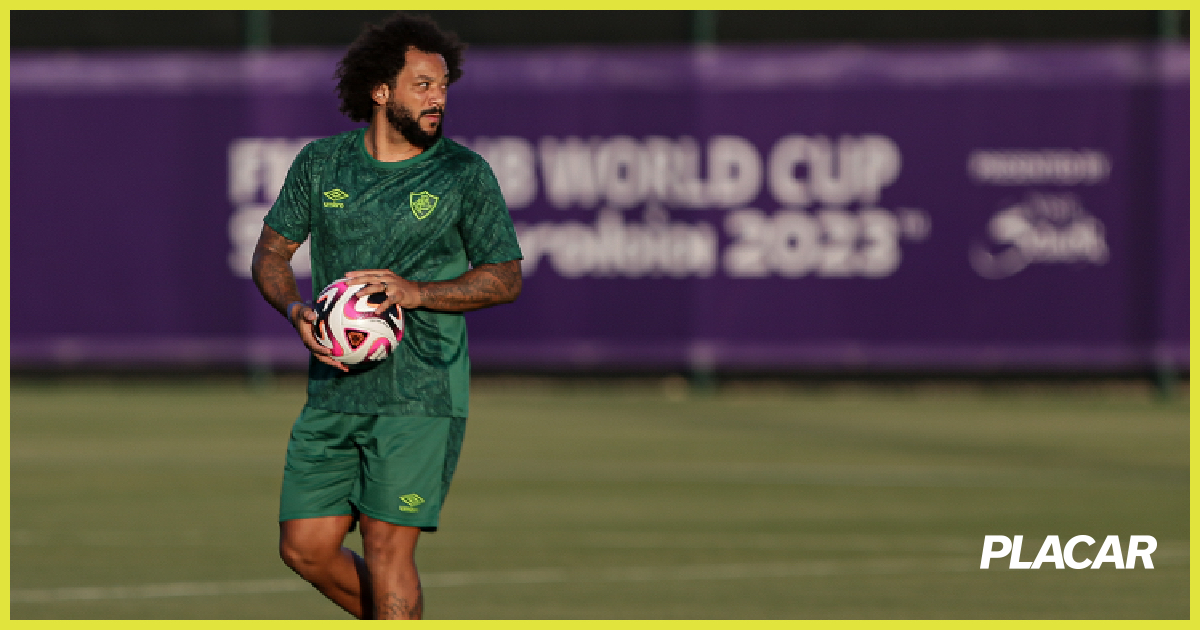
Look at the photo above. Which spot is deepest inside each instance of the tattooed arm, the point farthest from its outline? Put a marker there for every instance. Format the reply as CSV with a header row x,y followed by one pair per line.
x,y
271,269
480,287
272,272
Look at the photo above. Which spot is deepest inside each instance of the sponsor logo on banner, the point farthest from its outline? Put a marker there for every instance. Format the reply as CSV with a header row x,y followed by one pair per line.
x,y
1044,228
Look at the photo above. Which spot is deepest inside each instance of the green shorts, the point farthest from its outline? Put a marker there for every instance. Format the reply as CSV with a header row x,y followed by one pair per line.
x,y
392,468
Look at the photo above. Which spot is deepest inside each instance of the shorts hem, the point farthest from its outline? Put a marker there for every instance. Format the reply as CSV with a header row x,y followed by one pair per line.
x,y
296,516
395,520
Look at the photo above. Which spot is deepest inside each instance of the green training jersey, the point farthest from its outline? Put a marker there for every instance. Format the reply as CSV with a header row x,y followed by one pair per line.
x,y
426,218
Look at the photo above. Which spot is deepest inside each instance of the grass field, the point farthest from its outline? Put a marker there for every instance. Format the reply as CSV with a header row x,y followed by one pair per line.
x,y
632,500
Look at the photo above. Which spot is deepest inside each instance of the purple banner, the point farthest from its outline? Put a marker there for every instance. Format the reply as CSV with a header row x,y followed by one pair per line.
x,y
836,207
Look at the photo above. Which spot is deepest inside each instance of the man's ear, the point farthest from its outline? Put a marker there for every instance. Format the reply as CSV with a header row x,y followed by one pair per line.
x,y
380,94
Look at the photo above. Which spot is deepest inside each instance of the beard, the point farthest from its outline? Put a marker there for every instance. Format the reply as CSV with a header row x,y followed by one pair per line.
x,y
403,121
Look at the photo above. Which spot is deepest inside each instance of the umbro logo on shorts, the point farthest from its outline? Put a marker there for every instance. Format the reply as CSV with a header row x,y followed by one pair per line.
x,y
411,501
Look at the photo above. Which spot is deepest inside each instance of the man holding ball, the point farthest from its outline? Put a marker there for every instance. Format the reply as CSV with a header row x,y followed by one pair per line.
x,y
398,208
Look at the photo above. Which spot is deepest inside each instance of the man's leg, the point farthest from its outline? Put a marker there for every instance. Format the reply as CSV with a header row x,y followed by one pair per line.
x,y
312,547
389,550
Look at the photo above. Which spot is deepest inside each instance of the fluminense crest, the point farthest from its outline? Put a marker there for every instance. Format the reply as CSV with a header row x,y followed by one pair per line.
x,y
422,203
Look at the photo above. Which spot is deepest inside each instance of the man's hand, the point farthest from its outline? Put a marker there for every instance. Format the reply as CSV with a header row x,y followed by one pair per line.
x,y
302,319
271,269
404,293
480,287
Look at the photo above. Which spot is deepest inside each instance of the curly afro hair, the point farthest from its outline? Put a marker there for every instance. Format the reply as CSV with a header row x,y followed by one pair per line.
x,y
378,55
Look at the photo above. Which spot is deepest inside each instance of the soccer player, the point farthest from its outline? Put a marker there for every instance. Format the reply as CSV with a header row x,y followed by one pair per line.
x,y
401,209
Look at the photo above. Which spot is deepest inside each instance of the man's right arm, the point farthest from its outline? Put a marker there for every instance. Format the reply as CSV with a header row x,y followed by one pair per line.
x,y
271,269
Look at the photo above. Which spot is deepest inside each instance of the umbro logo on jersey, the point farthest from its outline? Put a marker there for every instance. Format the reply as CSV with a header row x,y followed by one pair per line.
x,y
336,197
422,203
411,501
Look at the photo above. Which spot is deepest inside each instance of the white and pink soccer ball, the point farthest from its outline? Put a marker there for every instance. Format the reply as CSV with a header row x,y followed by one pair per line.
x,y
349,327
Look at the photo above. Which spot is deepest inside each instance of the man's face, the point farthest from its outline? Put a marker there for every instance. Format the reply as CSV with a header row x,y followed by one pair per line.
x,y
417,105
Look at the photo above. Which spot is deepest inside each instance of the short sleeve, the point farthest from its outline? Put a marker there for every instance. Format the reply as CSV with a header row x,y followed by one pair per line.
x,y
290,214
487,229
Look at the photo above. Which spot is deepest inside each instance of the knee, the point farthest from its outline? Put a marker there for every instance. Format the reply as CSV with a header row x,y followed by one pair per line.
x,y
303,557
291,554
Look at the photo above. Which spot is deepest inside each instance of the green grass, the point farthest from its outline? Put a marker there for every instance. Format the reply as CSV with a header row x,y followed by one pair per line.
x,y
625,501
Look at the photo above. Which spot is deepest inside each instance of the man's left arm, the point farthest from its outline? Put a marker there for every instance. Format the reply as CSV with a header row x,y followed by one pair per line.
x,y
480,287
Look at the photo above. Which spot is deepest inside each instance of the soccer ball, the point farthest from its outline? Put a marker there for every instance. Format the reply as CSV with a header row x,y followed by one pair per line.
x,y
349,327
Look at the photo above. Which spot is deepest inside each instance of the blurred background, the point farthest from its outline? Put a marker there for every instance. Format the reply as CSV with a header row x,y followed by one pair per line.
x,y
814,301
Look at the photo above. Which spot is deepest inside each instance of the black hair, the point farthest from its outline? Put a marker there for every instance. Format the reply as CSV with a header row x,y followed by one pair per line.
x,y
378,55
